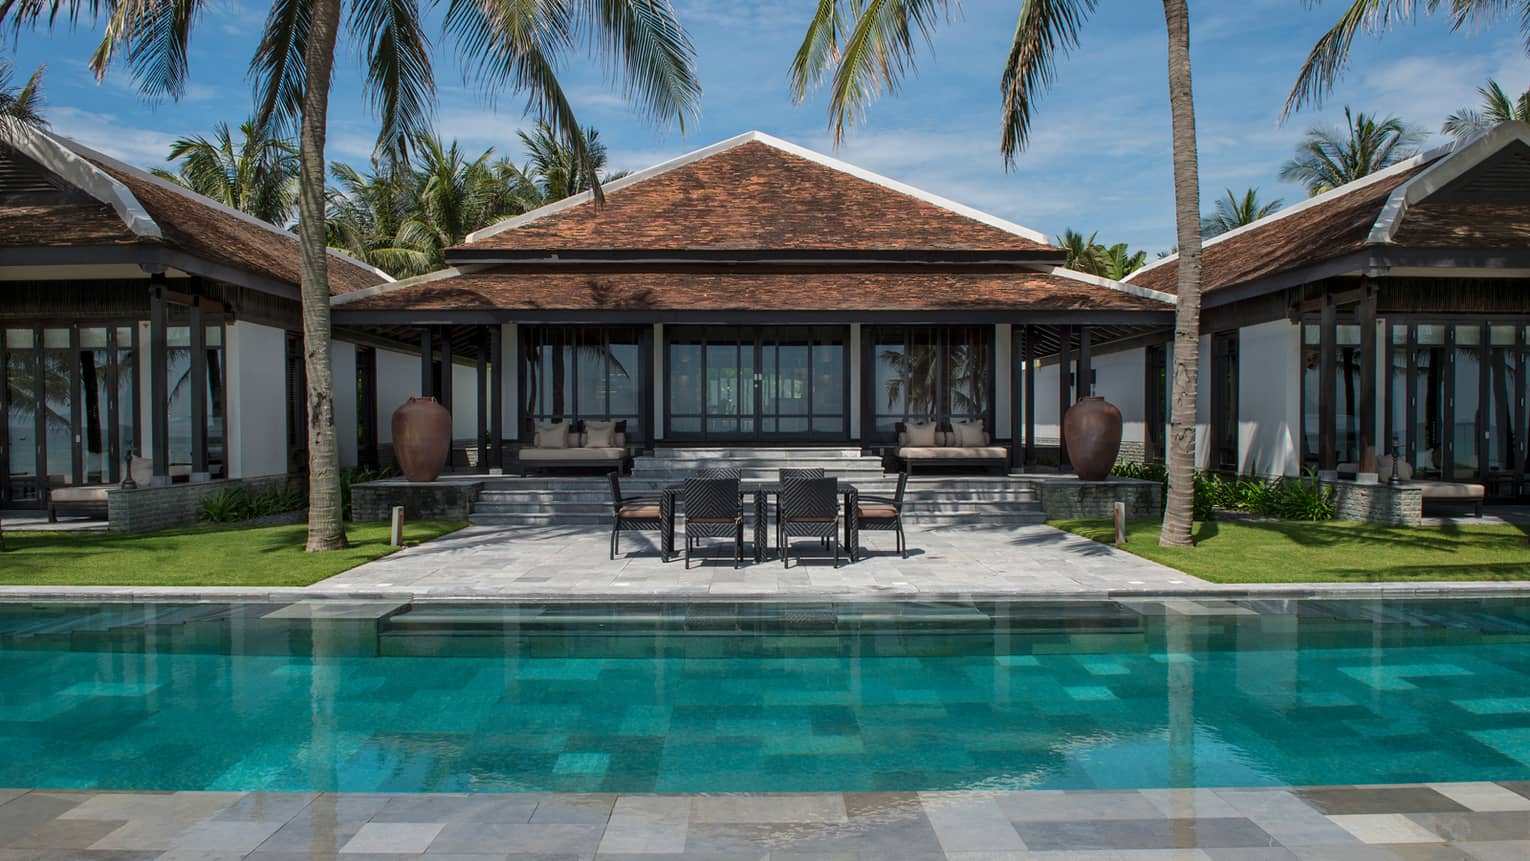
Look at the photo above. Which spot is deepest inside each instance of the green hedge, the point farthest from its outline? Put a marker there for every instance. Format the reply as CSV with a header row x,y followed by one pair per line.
x,y
1286,498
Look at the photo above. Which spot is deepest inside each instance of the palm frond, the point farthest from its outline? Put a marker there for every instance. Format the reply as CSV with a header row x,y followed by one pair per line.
x,y
1326,61
644,40
1047,30
400,84
154,37
820,48
277,69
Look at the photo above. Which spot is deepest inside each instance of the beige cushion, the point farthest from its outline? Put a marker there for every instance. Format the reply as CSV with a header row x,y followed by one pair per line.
x,y
922,434
1450,489
600,434
142,470
92,493
552,435
639,512
590,454
948,452
968,434
878,511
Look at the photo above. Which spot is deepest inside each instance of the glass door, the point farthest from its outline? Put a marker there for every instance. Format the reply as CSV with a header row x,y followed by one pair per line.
x,y
744,383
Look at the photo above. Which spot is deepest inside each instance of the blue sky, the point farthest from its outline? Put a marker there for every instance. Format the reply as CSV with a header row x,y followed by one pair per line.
x,y
1099,161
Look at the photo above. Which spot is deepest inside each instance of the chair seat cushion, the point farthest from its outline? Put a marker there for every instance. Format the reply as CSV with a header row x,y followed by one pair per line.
x,y
595,455
639,512
878,512
811,519
978,452
1450,489
93,493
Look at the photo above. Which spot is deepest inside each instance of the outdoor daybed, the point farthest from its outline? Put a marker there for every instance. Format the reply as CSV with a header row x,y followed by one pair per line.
x,y
961,444
581,445
1464,492
90,500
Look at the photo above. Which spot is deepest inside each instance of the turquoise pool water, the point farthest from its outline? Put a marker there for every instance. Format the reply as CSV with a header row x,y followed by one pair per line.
x,y
741,697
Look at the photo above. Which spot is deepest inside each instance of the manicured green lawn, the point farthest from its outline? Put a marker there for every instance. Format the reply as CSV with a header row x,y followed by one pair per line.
x,y
1287,552
194,556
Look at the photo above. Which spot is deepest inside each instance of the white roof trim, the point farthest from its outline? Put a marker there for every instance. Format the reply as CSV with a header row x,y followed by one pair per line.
x,y
56,155
1442,173
391,285
776,143
187,193
1109,284
1318,200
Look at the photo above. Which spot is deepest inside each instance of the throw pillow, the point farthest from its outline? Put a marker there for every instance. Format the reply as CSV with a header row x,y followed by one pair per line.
x,y
599,434
552,435
968,434
921,435
142,470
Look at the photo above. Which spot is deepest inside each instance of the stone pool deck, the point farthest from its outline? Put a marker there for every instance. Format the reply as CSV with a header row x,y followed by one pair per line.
x,y
1465,821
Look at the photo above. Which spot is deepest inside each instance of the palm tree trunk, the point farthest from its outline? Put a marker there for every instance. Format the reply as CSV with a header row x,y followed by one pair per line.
x,y
326,530
1179,507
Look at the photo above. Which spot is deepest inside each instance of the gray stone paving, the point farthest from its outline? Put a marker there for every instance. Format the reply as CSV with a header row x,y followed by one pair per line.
x,y
526,561
1465,821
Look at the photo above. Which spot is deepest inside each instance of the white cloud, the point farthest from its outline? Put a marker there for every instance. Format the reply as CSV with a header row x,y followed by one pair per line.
x,y
108,134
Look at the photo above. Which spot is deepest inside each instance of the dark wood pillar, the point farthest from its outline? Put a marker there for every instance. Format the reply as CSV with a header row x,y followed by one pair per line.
x,y
76,409
1016,350
497,395
1085,385
1328,363
1521,414
113,472
1064,389
1367,417
1030,397
445,395
427,364
482,425
199,391
159,393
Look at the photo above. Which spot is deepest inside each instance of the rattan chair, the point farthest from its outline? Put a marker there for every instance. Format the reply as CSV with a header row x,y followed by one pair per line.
x,y
630,513
884,514
791,474
712,510
809,509
718,472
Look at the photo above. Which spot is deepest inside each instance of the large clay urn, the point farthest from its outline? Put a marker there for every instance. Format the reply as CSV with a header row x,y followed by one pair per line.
x,y
1092,429
422,438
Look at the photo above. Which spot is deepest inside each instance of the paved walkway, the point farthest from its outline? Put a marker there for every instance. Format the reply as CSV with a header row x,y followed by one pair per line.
x,y
514,562
1464,821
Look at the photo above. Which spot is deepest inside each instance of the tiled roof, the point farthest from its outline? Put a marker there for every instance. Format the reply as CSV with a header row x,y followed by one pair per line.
x,y
758,193
749,289
1331,228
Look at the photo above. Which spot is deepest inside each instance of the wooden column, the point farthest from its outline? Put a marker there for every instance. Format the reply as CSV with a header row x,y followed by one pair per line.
x,y
113,404
159,393
1328,363
76,409
445,394
1521,415
497,395
199,391
482,425
1367,417
1064,389
1085,385
427,360
1016,350
1030,397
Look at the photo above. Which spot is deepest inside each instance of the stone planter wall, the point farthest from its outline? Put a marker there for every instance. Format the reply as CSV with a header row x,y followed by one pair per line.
x,y
1381,504
1069,498
432,500
145,509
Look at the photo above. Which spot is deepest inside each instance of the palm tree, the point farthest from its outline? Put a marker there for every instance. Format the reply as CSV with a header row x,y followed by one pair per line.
x,y
1084,254
22,104
505,45
1326,62
555,168
365,214
1497,107
1120,261
256,175
1234,212
861,49
1331,157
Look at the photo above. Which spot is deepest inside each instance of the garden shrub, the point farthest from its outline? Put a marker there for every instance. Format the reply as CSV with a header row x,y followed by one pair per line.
x,y
1286,498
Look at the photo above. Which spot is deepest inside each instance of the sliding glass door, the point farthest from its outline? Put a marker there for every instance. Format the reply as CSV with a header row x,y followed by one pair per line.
x,y
930,373
585,372
781,383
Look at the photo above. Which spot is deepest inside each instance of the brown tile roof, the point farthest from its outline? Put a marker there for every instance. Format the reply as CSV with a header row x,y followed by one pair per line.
x,y
744,289
1329,229
62,225
758,196
1465,225
200,228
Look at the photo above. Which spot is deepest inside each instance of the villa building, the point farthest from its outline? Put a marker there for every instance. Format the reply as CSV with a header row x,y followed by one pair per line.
x,y
755,293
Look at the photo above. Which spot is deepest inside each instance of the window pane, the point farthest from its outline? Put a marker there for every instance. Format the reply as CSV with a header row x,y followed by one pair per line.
x,y
1347,395
21,418
178,377
1429,421
829,380
684,380
1467,378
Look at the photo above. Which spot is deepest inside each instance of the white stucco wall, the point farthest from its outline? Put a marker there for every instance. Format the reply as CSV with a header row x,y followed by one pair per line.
x,y
464,402
1047,417
398,380
1269,398
1118,378
1203,407
342,363
257,397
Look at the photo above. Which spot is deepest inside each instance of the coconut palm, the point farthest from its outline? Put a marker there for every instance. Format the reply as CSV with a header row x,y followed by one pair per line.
x,y
21,104
860,49
1233,212
1084,254
257,174
366,212
506,45
1496,108
1119,261
1331,157
556,169
1326,62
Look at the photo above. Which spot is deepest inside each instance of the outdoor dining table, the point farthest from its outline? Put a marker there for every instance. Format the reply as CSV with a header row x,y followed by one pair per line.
x,y
761,492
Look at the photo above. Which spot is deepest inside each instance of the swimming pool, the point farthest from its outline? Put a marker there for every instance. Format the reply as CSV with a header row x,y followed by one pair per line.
x,y
383,697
